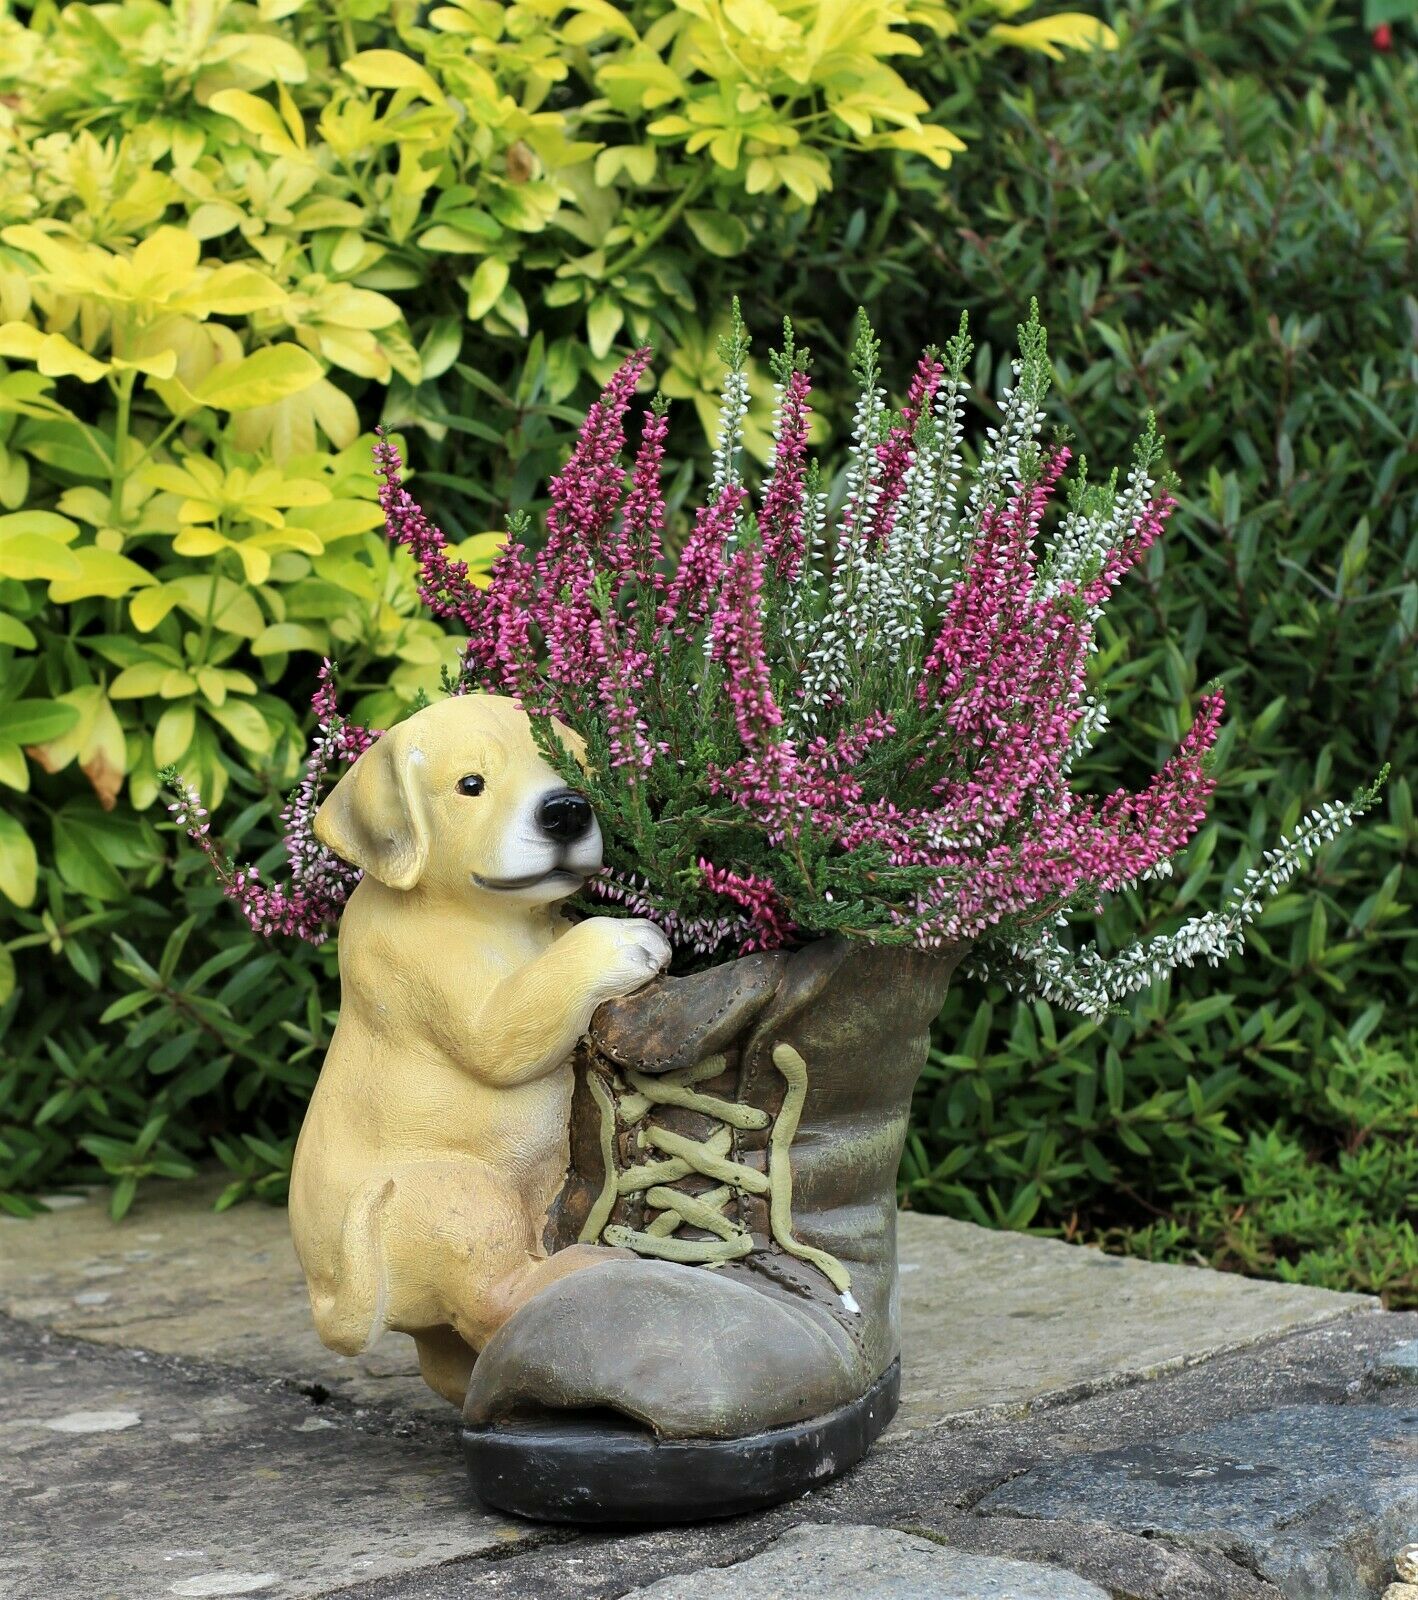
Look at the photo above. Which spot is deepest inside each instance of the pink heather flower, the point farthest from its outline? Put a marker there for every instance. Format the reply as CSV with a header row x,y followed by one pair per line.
x,y
586,493
1137,541
848,748
763,780
638,550
444,584
896,454
769,927
692,591
736,643
308,906
623,669
585,497
502,650
780,515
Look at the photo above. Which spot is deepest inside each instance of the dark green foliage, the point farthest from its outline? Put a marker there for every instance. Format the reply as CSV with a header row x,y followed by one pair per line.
x,y
209,1050
1240,255
1219,222
1344,1221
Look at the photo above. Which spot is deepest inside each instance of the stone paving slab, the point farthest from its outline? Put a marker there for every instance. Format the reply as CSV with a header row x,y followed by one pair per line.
x,y
991,1322
1399,1365
995,1322
178,1278
261,1489
125,1479
862,1562
1315,1498
173,1427
936,1484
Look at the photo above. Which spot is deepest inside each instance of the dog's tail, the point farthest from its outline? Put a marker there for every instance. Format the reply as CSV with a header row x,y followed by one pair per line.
x,y
350,1307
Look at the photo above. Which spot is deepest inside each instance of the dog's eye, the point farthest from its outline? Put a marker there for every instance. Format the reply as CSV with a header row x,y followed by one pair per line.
x,y
471,785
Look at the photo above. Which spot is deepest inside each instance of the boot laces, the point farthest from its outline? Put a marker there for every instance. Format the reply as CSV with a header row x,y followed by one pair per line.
x,y
676,1157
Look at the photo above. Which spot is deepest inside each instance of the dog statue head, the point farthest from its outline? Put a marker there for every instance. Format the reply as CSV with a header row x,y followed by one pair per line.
x,y
459,799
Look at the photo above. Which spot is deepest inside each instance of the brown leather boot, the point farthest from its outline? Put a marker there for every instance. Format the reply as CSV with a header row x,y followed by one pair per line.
x,y
737,1132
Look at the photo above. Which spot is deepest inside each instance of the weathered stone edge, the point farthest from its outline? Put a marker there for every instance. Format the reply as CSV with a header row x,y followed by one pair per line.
x,y
1110,1383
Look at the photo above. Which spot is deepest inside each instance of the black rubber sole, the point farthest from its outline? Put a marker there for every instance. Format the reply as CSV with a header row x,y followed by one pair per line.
x,y
603,1471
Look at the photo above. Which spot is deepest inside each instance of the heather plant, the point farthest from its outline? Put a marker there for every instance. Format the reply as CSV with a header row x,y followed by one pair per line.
x,y
861,725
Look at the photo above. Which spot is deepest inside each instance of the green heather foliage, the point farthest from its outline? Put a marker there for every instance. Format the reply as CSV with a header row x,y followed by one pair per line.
x,y
1218,221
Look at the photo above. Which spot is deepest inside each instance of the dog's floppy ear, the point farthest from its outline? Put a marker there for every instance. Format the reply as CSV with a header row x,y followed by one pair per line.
x,y
375,817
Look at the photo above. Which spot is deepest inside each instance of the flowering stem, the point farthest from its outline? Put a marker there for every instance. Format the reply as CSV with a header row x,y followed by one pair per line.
x,y
863,728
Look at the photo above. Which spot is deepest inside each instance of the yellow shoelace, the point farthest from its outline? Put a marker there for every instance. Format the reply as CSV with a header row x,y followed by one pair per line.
x,y
677,1157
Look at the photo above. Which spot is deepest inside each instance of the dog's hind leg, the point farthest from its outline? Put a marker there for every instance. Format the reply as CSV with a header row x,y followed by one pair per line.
x,y
351,1305
445,1362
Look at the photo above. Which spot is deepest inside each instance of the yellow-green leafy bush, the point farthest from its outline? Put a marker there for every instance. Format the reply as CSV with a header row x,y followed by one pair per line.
x,y
233,235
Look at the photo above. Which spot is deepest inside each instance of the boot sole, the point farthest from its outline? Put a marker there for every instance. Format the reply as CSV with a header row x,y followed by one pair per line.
x,y
604,1471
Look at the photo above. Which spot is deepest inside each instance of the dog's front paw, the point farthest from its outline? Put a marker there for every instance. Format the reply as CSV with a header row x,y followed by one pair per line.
x,y
646,949
635,950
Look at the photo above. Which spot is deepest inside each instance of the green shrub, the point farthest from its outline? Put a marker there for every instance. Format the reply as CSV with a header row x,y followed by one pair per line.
x,y
1241,257
229,235
1344,1221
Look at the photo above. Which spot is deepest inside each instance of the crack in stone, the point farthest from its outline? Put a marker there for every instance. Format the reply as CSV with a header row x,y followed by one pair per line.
x,y
971,1499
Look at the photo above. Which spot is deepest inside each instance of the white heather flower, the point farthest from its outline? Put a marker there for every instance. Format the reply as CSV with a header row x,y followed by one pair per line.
x,y
733,408
1085,981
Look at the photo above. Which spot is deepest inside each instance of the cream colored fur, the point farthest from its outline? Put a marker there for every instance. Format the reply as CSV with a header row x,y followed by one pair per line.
x,y
437,1134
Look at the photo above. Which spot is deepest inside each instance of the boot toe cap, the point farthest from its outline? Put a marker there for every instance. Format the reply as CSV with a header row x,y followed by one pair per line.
x,y
684,1351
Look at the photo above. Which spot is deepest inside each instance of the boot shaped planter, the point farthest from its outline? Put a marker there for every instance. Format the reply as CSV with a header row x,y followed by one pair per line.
x,y
735,1136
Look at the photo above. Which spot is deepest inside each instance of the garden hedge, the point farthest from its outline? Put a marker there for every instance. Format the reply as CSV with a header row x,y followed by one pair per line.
x,y
231,237
1235,248
1217,220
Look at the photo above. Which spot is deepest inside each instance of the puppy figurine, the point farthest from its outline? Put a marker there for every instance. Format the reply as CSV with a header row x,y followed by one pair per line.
x,y
438,1132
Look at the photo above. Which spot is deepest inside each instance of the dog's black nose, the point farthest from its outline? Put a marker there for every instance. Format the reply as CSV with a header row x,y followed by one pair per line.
x,y
565,817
